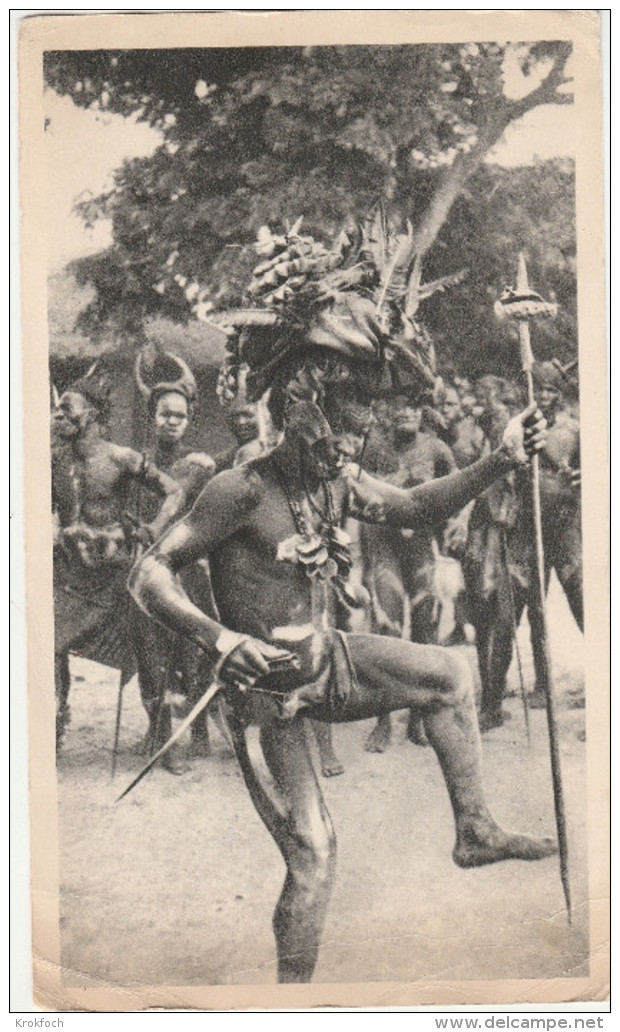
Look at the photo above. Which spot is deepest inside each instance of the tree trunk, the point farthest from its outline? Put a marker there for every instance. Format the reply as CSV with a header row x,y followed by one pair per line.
x,y
454,179
452,183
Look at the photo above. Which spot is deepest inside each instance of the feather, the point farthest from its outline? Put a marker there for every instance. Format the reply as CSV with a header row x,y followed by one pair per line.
x,y
343,279
393,276
375,236
294,230
341,244
413,288
428,289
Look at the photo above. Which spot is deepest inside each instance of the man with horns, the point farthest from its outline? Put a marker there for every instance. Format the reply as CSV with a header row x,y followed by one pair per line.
x,y
273,532
91,484
169,665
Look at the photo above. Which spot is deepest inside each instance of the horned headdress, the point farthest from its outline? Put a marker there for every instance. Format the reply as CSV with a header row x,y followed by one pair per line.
x,y
184,384
357,299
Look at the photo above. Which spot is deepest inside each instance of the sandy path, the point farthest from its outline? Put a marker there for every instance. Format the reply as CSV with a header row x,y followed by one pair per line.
x,y
176,884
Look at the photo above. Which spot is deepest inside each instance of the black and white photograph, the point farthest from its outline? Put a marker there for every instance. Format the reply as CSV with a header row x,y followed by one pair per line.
x,y
321,340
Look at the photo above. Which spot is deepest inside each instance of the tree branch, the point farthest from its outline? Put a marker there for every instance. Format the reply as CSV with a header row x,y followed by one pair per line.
x,y
455,177
452,183
547,91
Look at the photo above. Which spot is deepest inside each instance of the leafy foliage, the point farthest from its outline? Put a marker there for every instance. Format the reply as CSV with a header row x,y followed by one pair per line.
x,y
256,136
500,212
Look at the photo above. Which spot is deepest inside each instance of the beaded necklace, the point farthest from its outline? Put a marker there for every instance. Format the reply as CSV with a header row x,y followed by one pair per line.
x,y
325,553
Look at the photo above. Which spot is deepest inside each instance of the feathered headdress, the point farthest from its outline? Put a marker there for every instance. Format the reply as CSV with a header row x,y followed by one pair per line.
x,y
357,298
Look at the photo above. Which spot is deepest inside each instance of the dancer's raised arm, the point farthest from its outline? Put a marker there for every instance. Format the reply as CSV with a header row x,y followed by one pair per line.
x,y
375,501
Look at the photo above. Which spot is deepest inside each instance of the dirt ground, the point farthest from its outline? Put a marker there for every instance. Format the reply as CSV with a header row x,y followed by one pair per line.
x,y
176,884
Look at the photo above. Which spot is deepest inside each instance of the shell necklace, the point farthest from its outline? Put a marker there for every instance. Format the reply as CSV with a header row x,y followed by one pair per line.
x,y
324,553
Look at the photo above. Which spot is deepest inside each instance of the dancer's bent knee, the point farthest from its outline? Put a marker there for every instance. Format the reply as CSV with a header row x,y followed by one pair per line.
x,y
457,686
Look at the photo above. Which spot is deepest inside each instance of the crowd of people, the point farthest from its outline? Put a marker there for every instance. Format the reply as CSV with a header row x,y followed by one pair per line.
x,y
321,567
461,580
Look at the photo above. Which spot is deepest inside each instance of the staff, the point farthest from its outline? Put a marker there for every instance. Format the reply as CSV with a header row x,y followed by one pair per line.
x,y
523,304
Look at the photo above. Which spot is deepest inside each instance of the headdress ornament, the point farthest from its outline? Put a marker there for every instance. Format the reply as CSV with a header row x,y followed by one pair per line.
x,y
185,384
551,374
95,386
356,299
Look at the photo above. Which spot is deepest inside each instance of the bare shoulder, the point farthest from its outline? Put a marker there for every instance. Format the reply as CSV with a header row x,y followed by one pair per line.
x,y
247,452
193,472
426,440
428,445
563,433
195,466
238,490
567,422
125,458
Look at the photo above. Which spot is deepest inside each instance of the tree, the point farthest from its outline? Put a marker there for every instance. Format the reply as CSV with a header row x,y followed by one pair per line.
x,y
500,212
256,135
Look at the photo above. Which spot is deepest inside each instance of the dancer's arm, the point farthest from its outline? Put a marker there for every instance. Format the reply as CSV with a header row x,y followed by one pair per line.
x,y
221,510
374,501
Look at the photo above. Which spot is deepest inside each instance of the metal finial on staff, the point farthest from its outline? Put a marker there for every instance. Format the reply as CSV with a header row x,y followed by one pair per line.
x,y
524,304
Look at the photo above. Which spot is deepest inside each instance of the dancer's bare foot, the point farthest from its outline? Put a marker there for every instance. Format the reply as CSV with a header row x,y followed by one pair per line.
x,y
487,843
381,735
331,766
415,729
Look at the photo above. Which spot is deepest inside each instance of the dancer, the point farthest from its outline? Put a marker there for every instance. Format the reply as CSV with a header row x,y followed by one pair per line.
x,y
272,529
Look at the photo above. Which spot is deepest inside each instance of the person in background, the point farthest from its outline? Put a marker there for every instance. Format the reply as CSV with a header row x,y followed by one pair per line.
x,y
172,672
560,500
398,567
92,480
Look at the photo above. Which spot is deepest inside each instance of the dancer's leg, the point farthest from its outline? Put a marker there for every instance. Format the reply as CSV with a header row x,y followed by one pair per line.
x,y
394,674
280,777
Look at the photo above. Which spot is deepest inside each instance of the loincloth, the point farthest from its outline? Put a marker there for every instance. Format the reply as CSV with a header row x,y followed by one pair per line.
x,y
91,606
326,677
